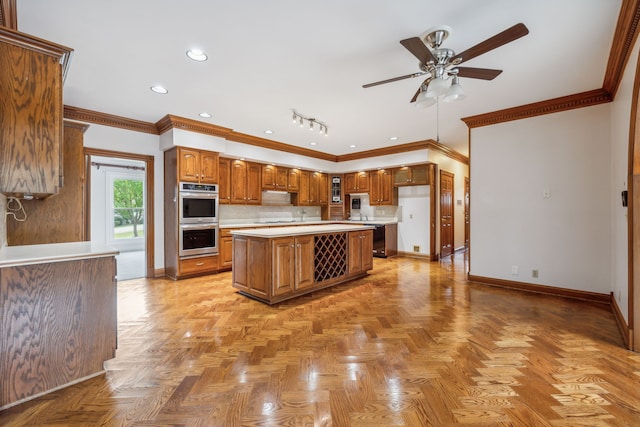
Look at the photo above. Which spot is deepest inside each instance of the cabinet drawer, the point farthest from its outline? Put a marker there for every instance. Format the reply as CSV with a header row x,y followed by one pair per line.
x,y
196,265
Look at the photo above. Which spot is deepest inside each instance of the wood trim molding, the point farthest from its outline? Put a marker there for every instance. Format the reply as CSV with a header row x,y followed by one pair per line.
x,y
175,122
75,125
624,38
564,103
404,254
83,115
428,144
9,14
622,324
543,289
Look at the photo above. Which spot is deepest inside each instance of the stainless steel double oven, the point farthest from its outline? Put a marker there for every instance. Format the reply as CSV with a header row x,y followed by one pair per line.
x,y
198,217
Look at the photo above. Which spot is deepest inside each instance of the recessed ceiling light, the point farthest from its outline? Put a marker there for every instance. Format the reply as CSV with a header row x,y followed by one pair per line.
x,y
313,143
352,146
268,131
205,115
197,55
159,89
393,138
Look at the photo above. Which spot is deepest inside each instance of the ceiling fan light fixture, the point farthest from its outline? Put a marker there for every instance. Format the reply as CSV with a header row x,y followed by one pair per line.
x,y
455,92
437,87
424,100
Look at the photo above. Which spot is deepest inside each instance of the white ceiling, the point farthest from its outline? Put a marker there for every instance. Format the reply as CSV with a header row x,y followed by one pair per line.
x,y
267,58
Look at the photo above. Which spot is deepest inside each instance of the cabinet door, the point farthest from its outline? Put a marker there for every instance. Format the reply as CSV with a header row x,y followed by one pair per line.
x,y
282,176
30,121
254,189
303,193
269,177
238,182
188,165
367,250
350,185
375,194
323,189
304,261
420,174
387,193
355,252
401,176
314,184
362,179
283,266
224,187
226,252
293,180
208,167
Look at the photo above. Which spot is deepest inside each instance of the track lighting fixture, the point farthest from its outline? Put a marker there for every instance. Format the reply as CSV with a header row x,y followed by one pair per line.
x,y
299,118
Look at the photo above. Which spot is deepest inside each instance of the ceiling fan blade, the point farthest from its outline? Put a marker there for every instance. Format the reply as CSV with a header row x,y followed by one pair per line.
x,y
418,49
394,79
507,36
478,73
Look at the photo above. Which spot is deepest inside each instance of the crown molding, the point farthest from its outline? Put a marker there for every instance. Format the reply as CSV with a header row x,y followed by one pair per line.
x,y
624,37
75,113
175,122
564,103
385,151
75,125
9,14
275,145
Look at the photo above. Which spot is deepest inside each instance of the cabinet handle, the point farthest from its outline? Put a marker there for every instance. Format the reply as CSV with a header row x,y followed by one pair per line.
x,y
199,264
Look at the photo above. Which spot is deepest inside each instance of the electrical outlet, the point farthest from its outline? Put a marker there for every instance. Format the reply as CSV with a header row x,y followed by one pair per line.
x,y
534,273
515,270
416,248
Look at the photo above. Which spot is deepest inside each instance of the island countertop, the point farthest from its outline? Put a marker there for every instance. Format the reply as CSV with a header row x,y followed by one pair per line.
x,y
300,230
11,256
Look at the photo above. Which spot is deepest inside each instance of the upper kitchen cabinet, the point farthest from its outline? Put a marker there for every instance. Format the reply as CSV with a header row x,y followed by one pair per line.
x,y
197,166
382,190
274,177
412,175
245,182
224,178
31,121
356,182
314,190
293,180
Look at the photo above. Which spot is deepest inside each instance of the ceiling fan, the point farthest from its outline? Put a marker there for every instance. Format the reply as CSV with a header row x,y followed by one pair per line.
x,y
441,63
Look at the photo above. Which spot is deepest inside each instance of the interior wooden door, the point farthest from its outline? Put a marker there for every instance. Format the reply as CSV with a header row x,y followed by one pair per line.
x,y
466,212
446,213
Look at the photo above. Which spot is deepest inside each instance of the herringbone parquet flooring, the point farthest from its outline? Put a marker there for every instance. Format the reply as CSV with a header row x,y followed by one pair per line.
x,y
412,344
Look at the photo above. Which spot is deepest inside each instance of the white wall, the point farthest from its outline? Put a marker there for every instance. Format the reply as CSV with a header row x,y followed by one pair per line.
x,y
413,219
567,236
620,122
115,139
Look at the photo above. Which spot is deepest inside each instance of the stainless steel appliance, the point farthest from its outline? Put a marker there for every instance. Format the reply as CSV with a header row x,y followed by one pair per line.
x,y
198,203
198,216
379,241
198,239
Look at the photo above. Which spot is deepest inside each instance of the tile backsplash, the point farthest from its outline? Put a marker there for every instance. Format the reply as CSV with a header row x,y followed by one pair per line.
x,y
241,214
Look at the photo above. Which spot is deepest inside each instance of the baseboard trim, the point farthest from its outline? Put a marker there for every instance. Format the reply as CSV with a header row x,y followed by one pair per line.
x,y
158,273
414,255
622,324
542,289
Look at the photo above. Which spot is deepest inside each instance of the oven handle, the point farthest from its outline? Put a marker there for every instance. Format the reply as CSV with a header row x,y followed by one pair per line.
x,y
198,226
185,194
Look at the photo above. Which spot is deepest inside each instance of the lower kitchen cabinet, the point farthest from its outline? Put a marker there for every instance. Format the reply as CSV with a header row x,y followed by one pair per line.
x,y
360,251
225,250
198,265
273,265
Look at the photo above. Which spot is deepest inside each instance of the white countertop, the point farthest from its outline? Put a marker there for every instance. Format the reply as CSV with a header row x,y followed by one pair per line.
x,y
304,223
11,256
299,230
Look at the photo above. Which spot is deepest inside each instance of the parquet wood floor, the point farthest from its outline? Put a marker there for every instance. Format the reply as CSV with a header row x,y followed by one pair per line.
x,y
412,344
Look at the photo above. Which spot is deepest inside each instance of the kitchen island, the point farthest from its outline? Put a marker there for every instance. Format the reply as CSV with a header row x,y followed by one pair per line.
x,y
275,264
57,316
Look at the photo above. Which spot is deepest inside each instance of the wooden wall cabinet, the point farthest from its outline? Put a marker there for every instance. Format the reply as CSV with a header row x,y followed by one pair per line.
x,y
293,180
197,166
314,189
224,181
356,182
61,218
382,190
274,177
245,183
31,120
225,250
412,175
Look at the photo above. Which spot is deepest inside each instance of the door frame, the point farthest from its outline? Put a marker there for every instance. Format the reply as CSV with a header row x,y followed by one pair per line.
x,y
149,199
